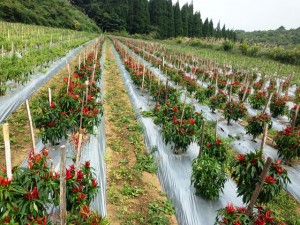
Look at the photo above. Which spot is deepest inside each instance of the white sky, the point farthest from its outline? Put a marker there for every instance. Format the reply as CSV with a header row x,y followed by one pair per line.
x,y
250,15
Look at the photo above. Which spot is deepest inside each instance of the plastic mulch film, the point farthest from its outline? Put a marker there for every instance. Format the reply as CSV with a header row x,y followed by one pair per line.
x,y
278,123
174,171
93,151
241,142
10,102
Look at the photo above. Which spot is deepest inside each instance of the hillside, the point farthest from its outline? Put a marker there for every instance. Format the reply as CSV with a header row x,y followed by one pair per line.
x,y
54,13
280,36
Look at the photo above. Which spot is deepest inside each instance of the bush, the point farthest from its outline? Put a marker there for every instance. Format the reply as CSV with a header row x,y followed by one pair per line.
x,y
258,100
247,171
217,101
278,105
228,45
288,144
232,215
234,110
208,177
256,124
244,48
216,149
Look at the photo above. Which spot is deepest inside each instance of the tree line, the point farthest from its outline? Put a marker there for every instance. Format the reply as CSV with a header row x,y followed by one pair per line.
x,y
159,18
280,36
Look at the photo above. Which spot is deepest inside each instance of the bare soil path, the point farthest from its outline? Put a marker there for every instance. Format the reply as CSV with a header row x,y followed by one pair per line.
x,y
131,190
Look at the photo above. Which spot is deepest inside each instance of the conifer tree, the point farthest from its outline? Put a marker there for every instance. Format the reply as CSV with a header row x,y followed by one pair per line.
x,y
177,20
185,20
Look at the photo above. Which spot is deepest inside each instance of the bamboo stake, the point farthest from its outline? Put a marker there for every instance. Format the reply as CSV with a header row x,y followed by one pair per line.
x,y
258,186
62,196
7,150
202,138
31,126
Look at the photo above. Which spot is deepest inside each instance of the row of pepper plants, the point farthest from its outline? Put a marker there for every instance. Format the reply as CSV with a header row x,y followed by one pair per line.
x,y
225,81
32,196
181,126
26,52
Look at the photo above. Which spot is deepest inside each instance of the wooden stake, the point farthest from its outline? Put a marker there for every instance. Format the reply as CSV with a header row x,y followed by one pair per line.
x,y
50,96
93,74
184,104
150,84
216,91
258,186
265,134
226,85
216,130
30,126
295,117
280,88
86,90
202,138
245,93
69,77
268,102
84,58
143,82
62,196
79,61
81,112
78,153
230,93
166,97
7,150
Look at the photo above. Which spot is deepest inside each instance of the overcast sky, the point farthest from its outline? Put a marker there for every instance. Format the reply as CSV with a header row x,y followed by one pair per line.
x,y
250,15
